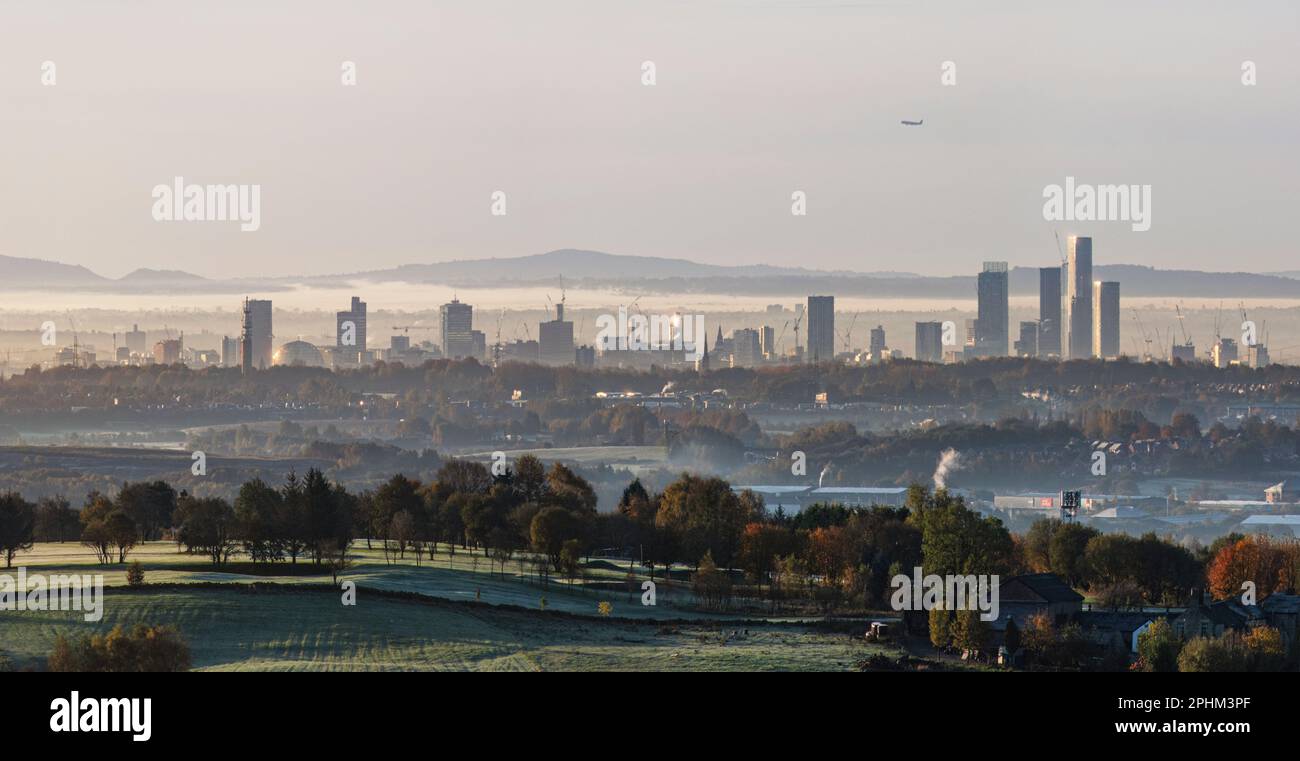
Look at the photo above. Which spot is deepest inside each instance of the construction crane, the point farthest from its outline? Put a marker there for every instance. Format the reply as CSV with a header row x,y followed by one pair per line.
x,y
1147,357
849,333
798,319
496,347
780,339
1187,340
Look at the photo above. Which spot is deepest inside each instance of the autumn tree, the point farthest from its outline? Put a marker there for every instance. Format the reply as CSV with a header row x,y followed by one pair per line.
x,y
1159,647
1270,565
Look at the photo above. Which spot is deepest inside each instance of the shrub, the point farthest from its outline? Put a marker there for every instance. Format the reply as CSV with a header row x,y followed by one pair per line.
x,y
144,648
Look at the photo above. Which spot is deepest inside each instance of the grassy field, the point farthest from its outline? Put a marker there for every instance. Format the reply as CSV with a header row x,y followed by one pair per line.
x,y
465,619
460,576
238,628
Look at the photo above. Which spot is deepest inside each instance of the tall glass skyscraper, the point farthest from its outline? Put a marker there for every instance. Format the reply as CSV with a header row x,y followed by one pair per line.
x,y
992,326
821,329
1049,312
457,329
1105,309
1078,298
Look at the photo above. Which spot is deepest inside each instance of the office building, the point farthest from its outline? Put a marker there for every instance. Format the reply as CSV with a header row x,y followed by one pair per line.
x,y
257,337
555,339
1078,298
1257,356
230,351
877,345
992,326
1105,310
1049,312
135,340
478,339
767,341
350,334
1224,353
821,328
1030,336
746,350
929,341
168,351
457,329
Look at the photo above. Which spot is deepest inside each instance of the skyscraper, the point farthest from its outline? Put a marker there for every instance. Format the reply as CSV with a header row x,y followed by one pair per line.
x,y
350,336
1105,310
877,345
1027,344
767,341
746,349
556,339
257,335
1049,312
135,339
929,341
229,351
821,328
1078,298
457,329
992,327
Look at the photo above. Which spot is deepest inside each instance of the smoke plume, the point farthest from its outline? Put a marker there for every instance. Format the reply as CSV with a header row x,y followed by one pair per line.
x,y
949,463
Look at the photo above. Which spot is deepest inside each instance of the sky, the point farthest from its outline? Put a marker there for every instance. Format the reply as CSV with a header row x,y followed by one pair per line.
x,y
545,101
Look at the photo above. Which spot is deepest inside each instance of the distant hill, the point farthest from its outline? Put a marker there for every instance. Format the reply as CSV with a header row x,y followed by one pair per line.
x,y
161,276
576,264
17,272
648,274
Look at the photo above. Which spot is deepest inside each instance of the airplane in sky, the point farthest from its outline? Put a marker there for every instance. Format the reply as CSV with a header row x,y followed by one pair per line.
x,y
913,124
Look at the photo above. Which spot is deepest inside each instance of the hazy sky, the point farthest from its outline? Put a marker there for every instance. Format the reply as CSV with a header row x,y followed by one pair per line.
x,y
543,100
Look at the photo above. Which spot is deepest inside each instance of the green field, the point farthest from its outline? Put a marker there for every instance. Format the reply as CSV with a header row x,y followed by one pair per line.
x,y
466,618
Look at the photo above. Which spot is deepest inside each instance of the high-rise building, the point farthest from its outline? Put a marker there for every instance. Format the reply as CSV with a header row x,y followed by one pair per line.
x,y
821,329
479,340
230,351
1049,312
457,329
991,330
1030,336
555,338
746,350
1105,311
877,345
929,341
350,334
168,351
1078,298
1257,355
257,336
135,340
1224,353
767,340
